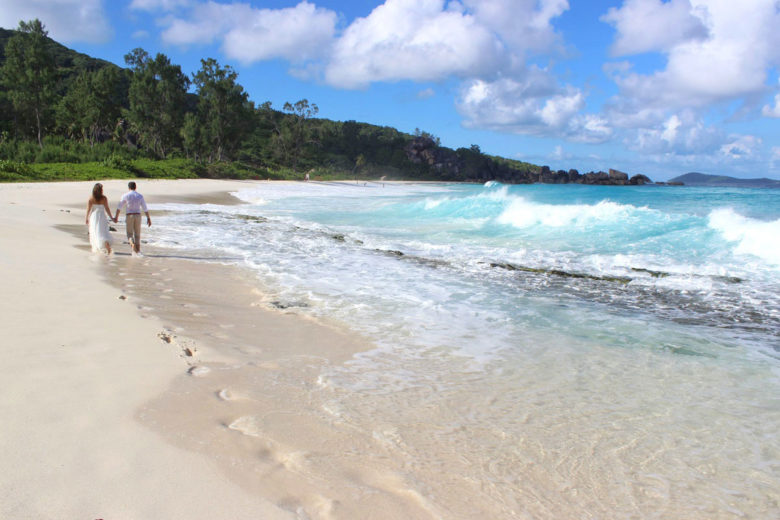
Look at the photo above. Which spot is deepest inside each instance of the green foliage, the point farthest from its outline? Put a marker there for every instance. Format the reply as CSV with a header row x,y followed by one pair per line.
x,y
14,171
141,121
117,162
28,74
157,98
92,107
223,112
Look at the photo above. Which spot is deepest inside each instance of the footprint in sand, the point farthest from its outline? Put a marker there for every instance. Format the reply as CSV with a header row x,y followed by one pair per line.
x,y
226,325
166,297
200,314
199,371
226,394
168,280
168,290
248,425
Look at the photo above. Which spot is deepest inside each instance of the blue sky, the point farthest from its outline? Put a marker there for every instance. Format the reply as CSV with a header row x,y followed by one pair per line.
x,y
644,86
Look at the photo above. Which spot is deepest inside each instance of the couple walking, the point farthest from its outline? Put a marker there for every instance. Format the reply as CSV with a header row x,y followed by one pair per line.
x,y
98,215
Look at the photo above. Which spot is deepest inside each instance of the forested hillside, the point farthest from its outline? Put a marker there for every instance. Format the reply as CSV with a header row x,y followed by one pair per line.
x,y
66,115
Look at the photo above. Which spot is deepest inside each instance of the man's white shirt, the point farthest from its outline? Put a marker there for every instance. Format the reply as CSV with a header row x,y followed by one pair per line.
x,y
134,201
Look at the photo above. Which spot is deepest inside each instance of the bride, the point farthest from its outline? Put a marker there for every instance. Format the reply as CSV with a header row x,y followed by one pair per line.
x,y
97,208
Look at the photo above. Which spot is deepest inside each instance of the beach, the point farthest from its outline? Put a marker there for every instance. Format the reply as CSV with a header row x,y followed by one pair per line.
x,y
334,350
83,359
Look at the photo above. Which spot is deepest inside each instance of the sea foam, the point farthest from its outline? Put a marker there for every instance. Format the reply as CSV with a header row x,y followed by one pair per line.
x,y
752,237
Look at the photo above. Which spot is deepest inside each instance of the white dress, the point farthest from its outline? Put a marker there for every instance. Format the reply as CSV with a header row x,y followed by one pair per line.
x,y
99,232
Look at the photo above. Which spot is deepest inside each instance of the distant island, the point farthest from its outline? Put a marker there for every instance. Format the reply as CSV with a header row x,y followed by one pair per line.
x,y
703,179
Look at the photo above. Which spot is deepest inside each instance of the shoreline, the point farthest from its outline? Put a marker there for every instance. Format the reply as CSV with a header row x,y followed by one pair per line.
x,y
179,387
229,398
81,364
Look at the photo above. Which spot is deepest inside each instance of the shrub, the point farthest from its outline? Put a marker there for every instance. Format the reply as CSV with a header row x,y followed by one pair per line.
x,y
118,162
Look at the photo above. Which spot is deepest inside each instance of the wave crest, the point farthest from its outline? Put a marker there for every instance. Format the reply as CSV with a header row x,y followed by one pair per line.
x,y
753,237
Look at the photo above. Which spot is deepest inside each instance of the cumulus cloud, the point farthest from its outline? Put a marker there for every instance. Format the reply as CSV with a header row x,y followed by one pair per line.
x,y
679,134
424,40
741,147
772,111
159,5
653,25
729,62
534,105
523,25
66,20
249,34
415,40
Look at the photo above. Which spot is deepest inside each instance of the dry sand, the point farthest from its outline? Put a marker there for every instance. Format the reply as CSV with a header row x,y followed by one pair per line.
x,y
96,352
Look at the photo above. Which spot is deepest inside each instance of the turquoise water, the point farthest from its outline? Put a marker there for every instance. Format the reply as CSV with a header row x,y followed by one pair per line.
x,y
628,316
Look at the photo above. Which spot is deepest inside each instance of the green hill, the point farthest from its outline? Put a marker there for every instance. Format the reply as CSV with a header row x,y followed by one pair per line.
x,y
117,120
703,179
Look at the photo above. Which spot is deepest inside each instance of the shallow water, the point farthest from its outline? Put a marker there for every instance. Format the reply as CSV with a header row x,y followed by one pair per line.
x,y
541,351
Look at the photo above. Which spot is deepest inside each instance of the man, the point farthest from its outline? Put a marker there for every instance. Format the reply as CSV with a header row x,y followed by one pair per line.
x,y
135,203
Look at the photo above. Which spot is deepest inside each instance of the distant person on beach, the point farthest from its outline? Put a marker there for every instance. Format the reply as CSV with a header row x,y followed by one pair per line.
x,y
135,204
97,221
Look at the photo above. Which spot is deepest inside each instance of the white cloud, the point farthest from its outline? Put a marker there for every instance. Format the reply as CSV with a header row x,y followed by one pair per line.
x,y
730,62
141,34
772,111
534,105
653,25
741,147
159,5
424,40
426,93
411,40
775,155
66,20
522,25
248,34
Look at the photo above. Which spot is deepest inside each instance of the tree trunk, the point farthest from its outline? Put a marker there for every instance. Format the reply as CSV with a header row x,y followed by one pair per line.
x,y
38,122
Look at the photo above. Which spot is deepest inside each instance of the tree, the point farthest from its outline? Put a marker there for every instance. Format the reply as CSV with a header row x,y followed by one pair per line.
x,y
223,108
157,99
191,136
294,133
92,106
29,75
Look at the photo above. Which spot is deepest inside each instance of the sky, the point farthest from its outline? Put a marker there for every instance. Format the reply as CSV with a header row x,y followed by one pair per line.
x,y
655,87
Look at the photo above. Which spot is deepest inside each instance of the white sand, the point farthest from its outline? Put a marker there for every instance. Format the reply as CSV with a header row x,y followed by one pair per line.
x,y
77,362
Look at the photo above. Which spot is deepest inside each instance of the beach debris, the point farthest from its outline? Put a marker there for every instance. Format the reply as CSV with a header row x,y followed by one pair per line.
x,y
684,351
187,348
558,272
286,305
122,297
251,218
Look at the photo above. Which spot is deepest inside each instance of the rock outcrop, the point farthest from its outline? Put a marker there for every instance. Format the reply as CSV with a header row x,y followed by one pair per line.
x,y
472,166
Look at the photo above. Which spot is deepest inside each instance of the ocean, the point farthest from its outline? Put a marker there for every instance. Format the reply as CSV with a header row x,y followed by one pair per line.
x,y
536,351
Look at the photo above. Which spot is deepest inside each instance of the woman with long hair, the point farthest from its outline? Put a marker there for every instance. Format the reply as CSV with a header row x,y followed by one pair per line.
x,y
98,214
